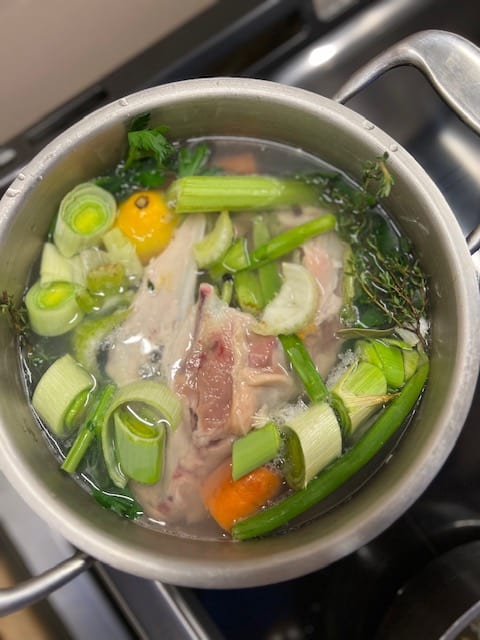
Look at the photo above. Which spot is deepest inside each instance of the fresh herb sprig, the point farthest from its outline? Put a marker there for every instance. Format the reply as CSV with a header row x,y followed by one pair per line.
x,y
151,160
391,288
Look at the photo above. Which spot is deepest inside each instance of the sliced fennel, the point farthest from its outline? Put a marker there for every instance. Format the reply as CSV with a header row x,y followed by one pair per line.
x,y
294,306
213,246
313,441
52,308
59,387
153,396
85,214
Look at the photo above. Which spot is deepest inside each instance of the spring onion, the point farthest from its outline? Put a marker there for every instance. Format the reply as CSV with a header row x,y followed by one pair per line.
x,y
390,421
255,449
213,246
85,214
52,308
314,440
91,428
238,258
150,395
192,194
304,367
58,389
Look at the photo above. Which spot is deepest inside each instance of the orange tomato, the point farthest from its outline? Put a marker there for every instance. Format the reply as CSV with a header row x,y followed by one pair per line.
x,y
147,221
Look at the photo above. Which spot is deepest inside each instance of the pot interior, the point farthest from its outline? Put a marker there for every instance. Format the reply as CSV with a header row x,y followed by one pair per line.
x,y
343,139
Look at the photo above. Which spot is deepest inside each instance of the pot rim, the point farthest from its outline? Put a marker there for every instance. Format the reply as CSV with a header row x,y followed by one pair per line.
x,y
276,558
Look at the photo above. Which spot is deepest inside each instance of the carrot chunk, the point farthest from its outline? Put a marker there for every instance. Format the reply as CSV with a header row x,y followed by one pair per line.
x,y
230,500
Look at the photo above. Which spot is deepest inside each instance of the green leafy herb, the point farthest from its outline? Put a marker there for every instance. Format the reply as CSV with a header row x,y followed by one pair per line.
x,y
149,143
17,315
191,161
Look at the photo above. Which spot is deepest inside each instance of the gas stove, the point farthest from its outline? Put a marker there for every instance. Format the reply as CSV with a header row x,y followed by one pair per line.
x,y
315,45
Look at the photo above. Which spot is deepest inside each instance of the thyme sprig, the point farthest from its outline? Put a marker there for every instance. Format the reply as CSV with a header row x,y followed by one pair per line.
x,y
391,287
17,315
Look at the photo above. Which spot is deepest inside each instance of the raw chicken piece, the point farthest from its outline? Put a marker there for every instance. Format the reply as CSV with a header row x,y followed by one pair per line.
x,y
165,296
323,256
227,374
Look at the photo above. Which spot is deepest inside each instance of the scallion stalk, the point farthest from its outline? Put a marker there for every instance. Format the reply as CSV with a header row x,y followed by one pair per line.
x,y
390,421
304,367
90,430
255,449
238,258
192,194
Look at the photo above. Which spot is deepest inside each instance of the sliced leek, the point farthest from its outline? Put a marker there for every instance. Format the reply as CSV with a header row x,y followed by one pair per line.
x,y
139,446
85,214
57,390
363,390
52,308
146,393
313,441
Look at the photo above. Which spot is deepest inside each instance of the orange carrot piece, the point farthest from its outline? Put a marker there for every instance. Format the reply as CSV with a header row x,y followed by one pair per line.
x,y
238,163
230,500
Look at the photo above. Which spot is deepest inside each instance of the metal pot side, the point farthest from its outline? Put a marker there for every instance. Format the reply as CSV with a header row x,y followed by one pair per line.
x,y
341,137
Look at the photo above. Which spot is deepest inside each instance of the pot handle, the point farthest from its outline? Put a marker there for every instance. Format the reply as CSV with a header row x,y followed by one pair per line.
x,y
451,64
35,589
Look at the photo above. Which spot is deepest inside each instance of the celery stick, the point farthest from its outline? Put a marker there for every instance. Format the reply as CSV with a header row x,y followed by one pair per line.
x,y
192,194
342,469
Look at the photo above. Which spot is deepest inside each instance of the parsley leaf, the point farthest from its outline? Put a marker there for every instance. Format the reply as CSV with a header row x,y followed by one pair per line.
x,y
192,160
149,143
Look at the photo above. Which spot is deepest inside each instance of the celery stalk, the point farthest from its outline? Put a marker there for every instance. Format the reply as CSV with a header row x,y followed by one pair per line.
x,y
192,194
90,430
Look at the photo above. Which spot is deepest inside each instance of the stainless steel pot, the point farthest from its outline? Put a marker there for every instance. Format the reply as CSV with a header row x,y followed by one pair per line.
x,y
344,139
